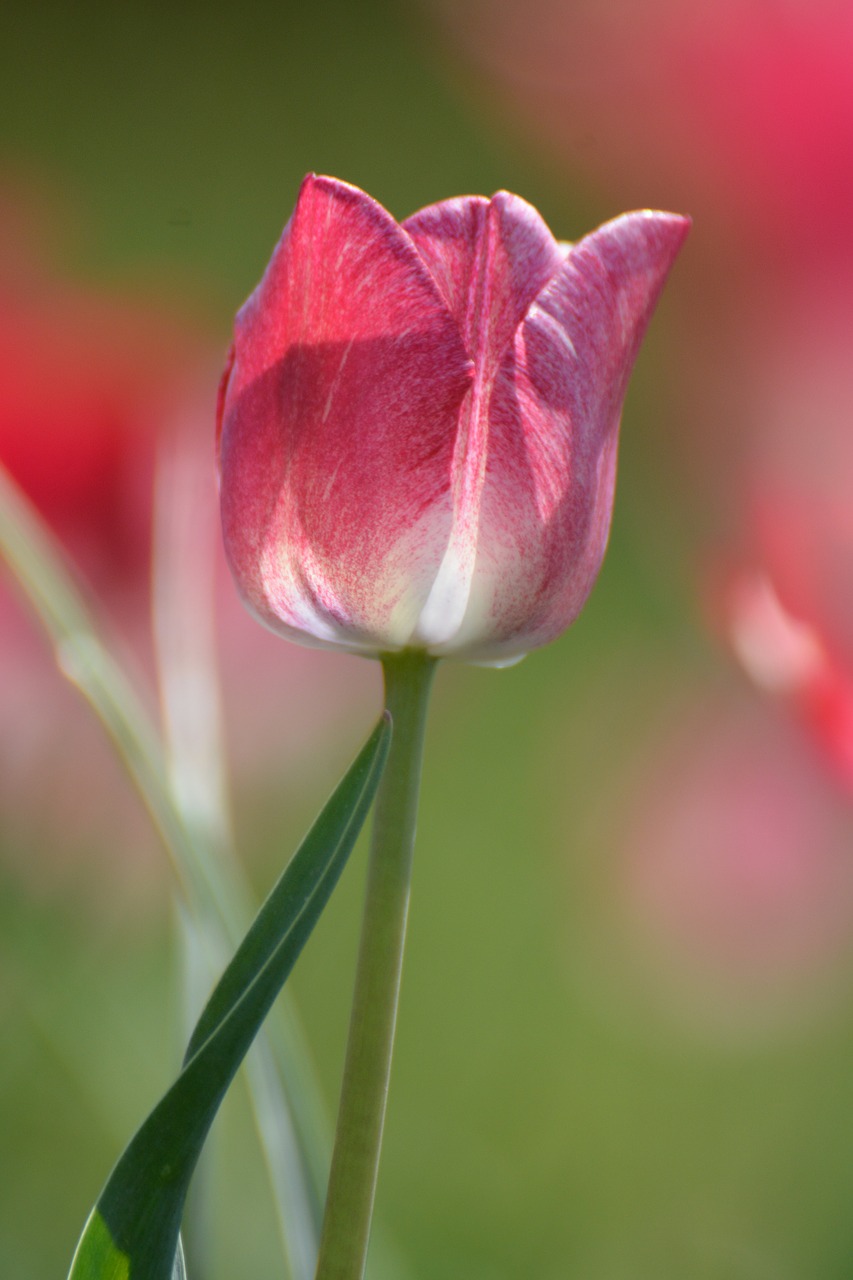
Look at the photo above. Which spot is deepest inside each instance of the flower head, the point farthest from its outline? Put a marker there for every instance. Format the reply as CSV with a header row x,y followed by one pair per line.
x,y
418,422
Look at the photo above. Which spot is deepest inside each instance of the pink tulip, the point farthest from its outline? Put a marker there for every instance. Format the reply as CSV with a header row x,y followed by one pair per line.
x,y
418,423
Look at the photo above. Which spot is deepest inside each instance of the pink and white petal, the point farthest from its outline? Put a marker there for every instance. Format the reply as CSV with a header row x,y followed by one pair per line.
x,y
595,311
553,433
490,259
339,424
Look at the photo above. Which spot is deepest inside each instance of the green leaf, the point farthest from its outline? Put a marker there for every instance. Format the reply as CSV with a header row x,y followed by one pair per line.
x,y
285,1098
133,1231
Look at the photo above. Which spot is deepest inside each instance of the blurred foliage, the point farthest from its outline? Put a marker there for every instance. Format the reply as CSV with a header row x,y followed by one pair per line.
x,y
551,1114
185,132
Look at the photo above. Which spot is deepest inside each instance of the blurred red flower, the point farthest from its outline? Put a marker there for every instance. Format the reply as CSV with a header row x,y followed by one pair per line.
x,y
92,382
108,401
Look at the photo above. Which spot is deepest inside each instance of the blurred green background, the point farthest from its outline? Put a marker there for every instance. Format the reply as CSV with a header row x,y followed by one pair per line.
x,y
572,1096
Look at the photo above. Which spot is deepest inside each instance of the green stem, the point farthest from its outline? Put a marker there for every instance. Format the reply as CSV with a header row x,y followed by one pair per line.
x,y
355,1160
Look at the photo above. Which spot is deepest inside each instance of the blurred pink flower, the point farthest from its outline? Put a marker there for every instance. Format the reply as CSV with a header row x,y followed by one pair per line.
x,y
419,422
787,658
800,470
735,856
788,602
742,109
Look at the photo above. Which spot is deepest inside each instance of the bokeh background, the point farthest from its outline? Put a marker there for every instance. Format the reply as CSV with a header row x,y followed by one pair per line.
x,y
625,1050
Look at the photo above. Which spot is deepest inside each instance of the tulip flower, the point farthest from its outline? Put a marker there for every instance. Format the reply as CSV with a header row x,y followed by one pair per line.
x,y
417,433
418,423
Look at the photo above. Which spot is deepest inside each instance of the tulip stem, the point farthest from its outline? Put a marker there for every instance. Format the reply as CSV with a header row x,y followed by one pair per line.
x,y
355,1159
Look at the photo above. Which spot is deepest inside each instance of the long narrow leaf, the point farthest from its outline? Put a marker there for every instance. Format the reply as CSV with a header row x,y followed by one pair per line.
x,y
133,1231
288,1109
284,1094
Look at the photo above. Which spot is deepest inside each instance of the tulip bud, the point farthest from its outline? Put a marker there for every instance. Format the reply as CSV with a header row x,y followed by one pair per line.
x,y
418,422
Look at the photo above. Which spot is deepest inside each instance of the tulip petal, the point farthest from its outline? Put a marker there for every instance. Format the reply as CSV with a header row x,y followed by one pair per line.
x,y
489,259
552,436
338,427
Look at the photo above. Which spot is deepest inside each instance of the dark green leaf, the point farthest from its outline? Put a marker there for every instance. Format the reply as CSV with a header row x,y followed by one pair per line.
x,y
133,1231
